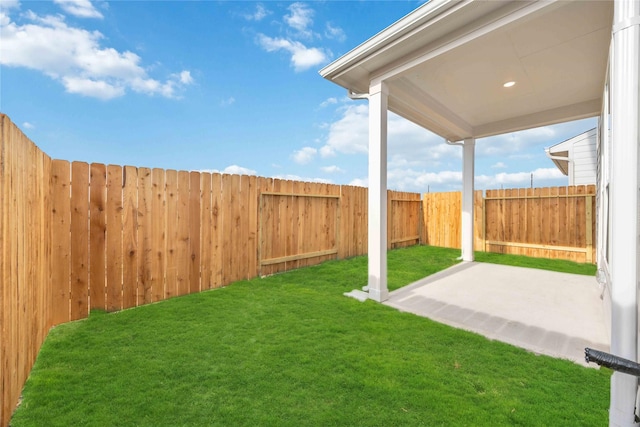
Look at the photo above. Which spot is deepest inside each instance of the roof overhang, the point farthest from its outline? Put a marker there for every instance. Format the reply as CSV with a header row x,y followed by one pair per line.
x,y
445,64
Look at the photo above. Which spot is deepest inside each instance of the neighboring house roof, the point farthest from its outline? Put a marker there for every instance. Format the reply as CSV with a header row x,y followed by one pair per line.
x,y
445,64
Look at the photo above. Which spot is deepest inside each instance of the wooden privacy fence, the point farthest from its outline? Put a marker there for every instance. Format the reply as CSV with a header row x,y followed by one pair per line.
x,y
126,236
78,236
555,222
25,260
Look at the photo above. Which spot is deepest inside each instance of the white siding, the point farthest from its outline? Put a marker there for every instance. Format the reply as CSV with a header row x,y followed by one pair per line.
x,y
584,160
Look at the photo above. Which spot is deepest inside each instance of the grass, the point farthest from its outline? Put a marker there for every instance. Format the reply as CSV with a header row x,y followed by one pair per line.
x,y
542,263
290,350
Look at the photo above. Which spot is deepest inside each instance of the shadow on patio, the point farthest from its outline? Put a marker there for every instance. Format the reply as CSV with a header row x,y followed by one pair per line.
x,y
556,314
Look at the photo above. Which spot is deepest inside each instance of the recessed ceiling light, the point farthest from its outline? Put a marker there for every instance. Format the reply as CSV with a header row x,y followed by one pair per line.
x,y
509,84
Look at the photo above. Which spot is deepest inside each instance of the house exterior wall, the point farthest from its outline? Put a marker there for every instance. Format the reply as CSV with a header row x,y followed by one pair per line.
x,y
582,170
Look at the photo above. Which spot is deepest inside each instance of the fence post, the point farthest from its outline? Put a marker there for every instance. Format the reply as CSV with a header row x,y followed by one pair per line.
x,y
589,228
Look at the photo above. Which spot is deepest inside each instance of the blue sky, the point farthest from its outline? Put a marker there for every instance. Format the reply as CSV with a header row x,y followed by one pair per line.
x,y
230,87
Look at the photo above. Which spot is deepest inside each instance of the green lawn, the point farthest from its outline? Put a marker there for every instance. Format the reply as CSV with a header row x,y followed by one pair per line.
x,y
291,350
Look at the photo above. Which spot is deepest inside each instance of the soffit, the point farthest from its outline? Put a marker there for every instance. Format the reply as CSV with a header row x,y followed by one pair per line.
x,y
446,70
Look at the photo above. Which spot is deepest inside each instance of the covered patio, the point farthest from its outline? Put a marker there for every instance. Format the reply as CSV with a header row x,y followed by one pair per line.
x,y
545,312
472,69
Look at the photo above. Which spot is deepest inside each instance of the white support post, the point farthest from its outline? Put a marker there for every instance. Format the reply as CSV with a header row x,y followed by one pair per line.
x,y
468,160
377,285
625,114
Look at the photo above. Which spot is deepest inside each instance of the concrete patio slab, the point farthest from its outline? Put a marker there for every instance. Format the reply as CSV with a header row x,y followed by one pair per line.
x,y
556,314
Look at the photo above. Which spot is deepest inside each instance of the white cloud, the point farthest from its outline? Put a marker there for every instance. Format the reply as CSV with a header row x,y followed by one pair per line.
x,y
93,88
300,19
335,33
420,181
79,8
259,14
238,170
332,169
349,134
28,125
183,77
9,4
304,155
511,143
226,102
328,101
360,182
74,57
541,177
406,141
302,57
231,170
499,165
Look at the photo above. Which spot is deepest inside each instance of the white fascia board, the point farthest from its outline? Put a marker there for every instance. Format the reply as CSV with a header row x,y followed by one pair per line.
x,y
360,53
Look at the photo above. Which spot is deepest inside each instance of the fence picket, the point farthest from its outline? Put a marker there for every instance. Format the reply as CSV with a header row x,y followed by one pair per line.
x,y
130,237
61,240
159,233
145,248
171,273
194,232
79,240
97,235
114,238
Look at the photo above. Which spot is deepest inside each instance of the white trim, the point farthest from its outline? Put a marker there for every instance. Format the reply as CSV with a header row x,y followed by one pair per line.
x,y
377,228
625,111
352,59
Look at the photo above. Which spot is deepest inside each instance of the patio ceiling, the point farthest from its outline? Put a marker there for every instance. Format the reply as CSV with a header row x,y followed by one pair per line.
x,y
445,65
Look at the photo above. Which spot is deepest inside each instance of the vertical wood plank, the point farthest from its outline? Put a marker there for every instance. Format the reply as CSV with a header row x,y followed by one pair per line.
x,y
159,233
182,244
130,237
206,233
145,247
114,238
97,235
79,240
235,229
194,232
217,229
252,192
61,238
171,275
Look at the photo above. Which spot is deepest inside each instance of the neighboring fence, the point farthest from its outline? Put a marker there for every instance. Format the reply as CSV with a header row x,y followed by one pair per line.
x,y
557,222
78,236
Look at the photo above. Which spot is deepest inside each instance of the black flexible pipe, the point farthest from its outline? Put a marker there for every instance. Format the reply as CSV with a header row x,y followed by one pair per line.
x,y
611,361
